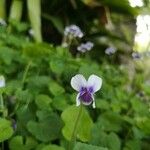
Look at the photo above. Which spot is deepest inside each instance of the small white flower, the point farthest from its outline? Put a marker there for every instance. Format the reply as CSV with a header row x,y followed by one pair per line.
x,y
110,50
85,47
2,81
3,22
65,44
31,32
86,89
74,31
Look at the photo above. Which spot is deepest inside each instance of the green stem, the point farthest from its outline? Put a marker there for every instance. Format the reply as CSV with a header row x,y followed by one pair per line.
x,y
26,72
2,105
2,9
74,132
3,113
34,12
16,10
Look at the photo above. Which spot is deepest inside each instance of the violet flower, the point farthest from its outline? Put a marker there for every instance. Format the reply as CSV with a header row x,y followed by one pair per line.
x,y
110,50
74,31
85,47
136,55
86,89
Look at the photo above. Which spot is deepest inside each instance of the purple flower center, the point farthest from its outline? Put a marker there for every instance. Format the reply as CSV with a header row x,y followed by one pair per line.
x,y
86,95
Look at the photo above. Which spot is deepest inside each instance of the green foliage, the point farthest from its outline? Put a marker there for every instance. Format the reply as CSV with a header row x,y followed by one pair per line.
x,y
55,88
81,146
47,128
6,130
17,143
52,147
38,99
43,101
69,117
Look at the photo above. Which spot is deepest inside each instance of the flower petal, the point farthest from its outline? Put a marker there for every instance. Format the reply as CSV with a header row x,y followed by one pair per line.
x,y
2,81
95,82
93,104
78,100
88,102
78,81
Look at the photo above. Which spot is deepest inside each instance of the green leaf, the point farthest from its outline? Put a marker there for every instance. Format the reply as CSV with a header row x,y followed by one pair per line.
x,y
52,147
139,107
102,104
56,22
17,143
55,88
6,130
99,137
46,129
37,50
133,145
38,82
144,124
113,141
84,127
110,121
57,65
60,102
43,101
7,55
87,71
82,146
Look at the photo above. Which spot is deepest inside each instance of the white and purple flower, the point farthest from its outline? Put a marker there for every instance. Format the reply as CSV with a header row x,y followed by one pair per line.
x,y
85,47
136,55
74,31
86,89
110,50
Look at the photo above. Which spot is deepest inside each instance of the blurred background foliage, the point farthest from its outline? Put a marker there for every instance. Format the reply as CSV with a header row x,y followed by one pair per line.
x,y
39,103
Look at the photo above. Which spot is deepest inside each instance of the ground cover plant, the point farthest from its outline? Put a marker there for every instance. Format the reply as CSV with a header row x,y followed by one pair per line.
x,y
39,107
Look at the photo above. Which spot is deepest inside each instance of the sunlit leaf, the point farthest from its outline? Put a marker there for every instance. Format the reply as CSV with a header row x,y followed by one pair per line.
x,y
6,130
84,127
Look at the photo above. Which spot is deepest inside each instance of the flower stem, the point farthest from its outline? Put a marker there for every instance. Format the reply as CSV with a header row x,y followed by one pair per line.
x,y
26,71
2,109
2,105
74,132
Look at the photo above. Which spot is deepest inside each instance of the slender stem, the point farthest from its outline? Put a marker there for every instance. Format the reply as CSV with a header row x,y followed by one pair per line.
x,y
2,105
26,71
3,113
34,12
2,9
73,137
16,10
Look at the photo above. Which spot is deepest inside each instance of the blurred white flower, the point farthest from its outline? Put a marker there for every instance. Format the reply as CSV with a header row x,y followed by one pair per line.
x,y
110,50
31,32
3,22
2,81
85,47
64,44
74,31
86,89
